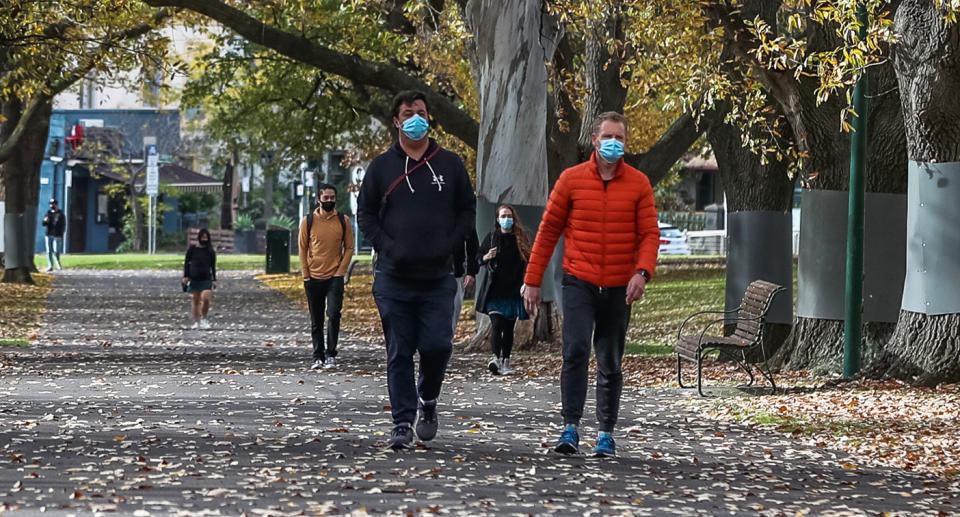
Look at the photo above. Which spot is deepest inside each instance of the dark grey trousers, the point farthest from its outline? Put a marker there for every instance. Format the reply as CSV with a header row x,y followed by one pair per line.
x,y
324,296
597,315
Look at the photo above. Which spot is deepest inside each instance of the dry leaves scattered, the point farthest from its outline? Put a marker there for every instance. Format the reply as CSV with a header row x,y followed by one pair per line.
x,y
21,307
882,422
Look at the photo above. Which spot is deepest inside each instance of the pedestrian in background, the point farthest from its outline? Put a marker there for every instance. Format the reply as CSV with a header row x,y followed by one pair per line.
x,y
605,210
465,268
504,254
326,248
416,206
200,277
55,224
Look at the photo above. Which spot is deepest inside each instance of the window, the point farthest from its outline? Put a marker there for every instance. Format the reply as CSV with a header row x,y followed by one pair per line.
x,y
103,201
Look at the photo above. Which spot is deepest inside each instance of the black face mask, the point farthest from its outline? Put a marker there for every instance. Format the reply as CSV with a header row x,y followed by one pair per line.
x,y
328,206
204,242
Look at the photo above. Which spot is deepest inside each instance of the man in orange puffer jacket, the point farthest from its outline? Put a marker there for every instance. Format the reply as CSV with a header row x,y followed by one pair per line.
x,y
605,210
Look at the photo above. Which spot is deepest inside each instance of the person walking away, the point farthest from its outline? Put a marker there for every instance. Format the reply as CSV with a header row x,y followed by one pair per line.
x,y
200,277
326,247
465,268
55,224
605,210
416,206
504,253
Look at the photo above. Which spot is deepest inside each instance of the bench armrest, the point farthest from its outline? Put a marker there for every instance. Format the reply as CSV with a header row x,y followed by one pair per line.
x,y
680,330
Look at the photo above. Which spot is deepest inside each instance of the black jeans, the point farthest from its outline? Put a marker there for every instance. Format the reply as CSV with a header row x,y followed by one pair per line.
x,y
416,317
324,293
501,335
602,312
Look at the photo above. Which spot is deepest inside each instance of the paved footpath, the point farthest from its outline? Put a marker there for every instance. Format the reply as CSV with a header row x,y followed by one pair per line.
x,y
120,408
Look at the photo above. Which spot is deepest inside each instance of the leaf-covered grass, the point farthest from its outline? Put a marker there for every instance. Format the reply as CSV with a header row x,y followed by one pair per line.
x,y
672,296
21,307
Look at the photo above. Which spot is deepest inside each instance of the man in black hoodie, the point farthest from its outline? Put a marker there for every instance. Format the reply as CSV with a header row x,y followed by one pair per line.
x,y
56,224
416,205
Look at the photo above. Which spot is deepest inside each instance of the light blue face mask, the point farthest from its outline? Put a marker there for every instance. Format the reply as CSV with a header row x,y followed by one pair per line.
x,y
415,127
610,150
506,223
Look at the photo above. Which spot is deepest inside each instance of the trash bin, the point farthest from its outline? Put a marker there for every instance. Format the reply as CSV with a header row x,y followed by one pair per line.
x,y
278,251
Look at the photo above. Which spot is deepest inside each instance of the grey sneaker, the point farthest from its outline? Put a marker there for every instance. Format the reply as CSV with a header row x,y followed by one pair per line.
x,y
401,437
205,323
494,365
330,363
317,364
505,366
196,325
427,420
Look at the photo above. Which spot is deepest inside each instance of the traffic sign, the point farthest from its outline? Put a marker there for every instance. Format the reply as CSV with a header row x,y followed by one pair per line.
x,y
153,170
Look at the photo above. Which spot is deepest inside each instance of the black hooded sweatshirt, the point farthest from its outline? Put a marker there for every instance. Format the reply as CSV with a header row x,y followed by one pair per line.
x,y
417,226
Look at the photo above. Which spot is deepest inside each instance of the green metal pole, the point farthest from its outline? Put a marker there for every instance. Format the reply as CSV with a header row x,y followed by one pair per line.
x,y
853,317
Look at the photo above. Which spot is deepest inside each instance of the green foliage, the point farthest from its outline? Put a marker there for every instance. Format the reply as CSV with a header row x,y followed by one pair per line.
x,y
196,202
243,222
283,221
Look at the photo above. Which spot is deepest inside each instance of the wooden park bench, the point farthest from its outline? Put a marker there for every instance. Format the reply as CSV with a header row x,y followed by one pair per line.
x,y
742,345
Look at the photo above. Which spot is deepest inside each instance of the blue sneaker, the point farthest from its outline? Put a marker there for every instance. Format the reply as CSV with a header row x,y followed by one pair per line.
x,y
605,445
569,442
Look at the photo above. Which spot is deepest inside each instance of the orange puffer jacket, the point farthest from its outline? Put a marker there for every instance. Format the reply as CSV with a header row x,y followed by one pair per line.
x,y
609,231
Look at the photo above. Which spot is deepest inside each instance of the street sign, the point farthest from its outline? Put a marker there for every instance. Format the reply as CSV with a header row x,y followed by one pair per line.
x,y
153,170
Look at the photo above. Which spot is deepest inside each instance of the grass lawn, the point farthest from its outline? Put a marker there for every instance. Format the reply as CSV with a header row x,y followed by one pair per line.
x,y
21,307
164,261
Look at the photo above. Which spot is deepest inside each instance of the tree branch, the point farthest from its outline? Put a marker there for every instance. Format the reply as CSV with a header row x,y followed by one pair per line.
x,y
451,117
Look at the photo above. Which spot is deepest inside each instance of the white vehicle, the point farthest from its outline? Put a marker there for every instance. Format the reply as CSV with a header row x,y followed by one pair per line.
x,y
672,241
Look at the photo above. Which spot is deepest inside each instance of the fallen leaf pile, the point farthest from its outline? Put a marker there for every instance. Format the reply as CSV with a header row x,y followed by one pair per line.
x,y
882,422
21,306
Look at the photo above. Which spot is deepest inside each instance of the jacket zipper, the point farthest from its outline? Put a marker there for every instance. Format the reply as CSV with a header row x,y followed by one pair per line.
x,y
603,231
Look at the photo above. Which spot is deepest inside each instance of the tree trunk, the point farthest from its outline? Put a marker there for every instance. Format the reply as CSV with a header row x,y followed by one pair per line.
x,y
925,347
21,184
818,343
759,199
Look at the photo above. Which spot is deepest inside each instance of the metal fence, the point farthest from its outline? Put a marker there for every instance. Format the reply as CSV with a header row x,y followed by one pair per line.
x,y
714,242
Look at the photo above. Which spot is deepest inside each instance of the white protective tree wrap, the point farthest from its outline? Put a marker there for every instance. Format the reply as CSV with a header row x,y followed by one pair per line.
x,y
933,239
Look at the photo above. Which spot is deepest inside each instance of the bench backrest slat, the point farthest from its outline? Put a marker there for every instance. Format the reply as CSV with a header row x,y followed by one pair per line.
x,y
755,305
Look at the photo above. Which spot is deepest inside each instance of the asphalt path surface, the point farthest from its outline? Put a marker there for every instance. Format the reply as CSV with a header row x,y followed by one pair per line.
x,y
120,408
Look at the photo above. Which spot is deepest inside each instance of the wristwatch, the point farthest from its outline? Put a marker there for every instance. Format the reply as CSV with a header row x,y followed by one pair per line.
x,y
644,273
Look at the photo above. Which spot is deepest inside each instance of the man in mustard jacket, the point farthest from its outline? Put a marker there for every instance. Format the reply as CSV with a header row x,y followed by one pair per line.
x,y
326,247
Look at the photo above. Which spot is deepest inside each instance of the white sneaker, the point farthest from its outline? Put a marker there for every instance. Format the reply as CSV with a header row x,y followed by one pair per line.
x,y
505,366
196,325
317,364
494,365
204,323
331,363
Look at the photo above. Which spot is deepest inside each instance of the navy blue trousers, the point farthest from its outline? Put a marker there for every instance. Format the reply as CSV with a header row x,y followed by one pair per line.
x,y
416,317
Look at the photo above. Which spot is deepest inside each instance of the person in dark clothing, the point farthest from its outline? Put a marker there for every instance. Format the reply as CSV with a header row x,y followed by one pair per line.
x,y
55,224
465,268
200,276
504,252
416,205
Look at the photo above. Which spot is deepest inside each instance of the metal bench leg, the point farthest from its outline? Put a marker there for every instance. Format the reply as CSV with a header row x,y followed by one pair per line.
x,y
679,374
700,374
769,376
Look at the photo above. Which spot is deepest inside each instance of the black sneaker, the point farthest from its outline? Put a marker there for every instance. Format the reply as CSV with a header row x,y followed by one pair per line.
x,y
401,437
427,420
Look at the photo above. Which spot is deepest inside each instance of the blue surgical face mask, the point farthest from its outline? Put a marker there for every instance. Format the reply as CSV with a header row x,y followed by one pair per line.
x,y
610,150
415,127
506,223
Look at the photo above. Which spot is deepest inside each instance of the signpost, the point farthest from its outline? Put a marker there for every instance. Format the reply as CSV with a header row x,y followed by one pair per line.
x,y
153,188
